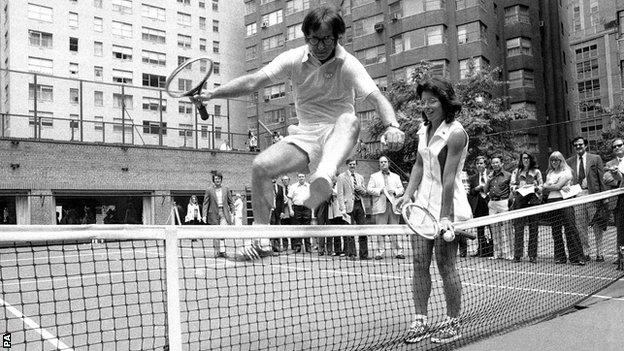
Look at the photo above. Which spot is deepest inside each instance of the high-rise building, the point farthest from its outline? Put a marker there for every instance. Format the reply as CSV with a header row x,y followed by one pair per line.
x,y
595,64
390,37
95,70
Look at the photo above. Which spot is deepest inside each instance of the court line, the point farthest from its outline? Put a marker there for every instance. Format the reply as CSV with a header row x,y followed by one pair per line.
x,y
46,335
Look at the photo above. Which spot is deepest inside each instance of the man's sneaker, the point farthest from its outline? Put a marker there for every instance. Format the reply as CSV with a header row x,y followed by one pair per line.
x,y
418,331
448,332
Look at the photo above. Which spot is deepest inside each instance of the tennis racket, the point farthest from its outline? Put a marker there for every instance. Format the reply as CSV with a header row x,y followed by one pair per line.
x,y
189,80
423,223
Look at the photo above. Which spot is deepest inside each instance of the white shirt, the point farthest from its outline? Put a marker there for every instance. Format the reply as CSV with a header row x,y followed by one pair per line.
x,y
322,92
299,193
219,195
621,164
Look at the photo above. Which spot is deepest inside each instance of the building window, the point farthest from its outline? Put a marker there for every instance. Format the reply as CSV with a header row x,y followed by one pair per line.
x,y
273,18
517,14
98,123
215,5
121,29
98,48
382,83
519,46
98,24
216,68
45,118
251,52
215,47
469,67
366,26
438,68
185,130
121,76
466,4
153,127
122,101
358,3
202,4
590,108
275,116
40,13
74,96
184,2
153,80
73,20
153,35
122,53
185,84
586,52
405,8
154,58
37,64
73,44
185,107
98,73
73,68
184,20
294,32
97,4
45,93
98,98
202,44
621,22
293,6
419,38
122,6
184,41
202,23
251,29
273,42
521,79
250,7
40,39
215,26
587,69
182,59
120,125
154,104
589,89
274,91
372,55
154,13
471,32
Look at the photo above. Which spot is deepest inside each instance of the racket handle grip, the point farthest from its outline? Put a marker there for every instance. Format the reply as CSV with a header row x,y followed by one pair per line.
x,y
203,113
465,233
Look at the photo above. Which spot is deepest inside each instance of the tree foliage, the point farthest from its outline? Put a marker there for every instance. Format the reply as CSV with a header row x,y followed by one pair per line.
x,y
615,129
484,116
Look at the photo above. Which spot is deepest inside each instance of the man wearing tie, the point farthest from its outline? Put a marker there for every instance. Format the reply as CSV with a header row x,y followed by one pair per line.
x,y
385,187
350,193
614,178
478,200
587,171
218,208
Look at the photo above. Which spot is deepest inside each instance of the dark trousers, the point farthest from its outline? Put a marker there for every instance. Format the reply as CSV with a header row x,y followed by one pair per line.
x,y
519,224
485,247
565,218
618,215
303,216
276,220
358,216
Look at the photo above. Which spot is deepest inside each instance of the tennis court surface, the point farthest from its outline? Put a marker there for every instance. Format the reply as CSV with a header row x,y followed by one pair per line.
x,y
157,288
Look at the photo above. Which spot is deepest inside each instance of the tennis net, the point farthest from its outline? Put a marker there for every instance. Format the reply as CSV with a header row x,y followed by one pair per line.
x,y
116,287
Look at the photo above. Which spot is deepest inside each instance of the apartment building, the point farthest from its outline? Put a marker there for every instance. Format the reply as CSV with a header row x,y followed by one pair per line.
x,y
95,70
391,37
596,28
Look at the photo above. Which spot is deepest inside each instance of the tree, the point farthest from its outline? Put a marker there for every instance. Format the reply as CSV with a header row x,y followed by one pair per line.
x,y
615,130
483,115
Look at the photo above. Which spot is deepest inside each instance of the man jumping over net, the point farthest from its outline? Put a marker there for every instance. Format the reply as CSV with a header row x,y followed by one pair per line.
x,y
325,82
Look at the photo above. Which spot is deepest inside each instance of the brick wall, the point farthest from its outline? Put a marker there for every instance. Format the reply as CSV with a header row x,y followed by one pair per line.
x,y
46,167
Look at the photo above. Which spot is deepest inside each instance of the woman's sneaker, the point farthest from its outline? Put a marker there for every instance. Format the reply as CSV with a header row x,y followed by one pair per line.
x,y
418,331
448,332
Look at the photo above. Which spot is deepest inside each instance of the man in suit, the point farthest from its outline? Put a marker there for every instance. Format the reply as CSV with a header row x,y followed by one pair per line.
x,y
478,200
218,208
614,178
588,171
350,201
381,185
277,212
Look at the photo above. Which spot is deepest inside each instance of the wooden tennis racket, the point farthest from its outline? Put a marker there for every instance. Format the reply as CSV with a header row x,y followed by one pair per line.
x,y
189,80
423,223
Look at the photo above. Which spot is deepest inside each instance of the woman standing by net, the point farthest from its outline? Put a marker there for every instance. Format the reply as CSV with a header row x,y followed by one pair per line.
x,y
525,181
436,184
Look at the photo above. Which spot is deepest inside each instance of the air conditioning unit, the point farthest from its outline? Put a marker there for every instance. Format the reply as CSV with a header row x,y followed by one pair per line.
x,y
395,17
264,24
280,120
379,27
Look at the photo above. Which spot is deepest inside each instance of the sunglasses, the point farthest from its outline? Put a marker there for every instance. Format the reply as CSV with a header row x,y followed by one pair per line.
x,y
617,145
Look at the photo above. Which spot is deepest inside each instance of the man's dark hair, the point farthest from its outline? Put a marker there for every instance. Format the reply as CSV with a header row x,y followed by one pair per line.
x,y
480,158
217,174
324,14
443,90
500,158
349,160
580,138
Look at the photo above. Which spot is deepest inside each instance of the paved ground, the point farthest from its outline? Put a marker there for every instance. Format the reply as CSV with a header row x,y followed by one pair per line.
x,y
598,324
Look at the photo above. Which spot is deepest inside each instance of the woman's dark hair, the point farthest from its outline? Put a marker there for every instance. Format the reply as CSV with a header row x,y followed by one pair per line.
x,y
324,14
532,163
444,91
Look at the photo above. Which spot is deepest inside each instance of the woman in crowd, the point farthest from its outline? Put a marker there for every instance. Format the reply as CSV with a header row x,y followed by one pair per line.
x,y
558,179
193,212
525,181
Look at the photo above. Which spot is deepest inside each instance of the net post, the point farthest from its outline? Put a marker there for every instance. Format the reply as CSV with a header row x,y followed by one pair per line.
x,y
173,289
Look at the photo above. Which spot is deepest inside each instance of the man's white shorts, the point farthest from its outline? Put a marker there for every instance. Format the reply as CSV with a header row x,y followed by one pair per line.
x,y
311,139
